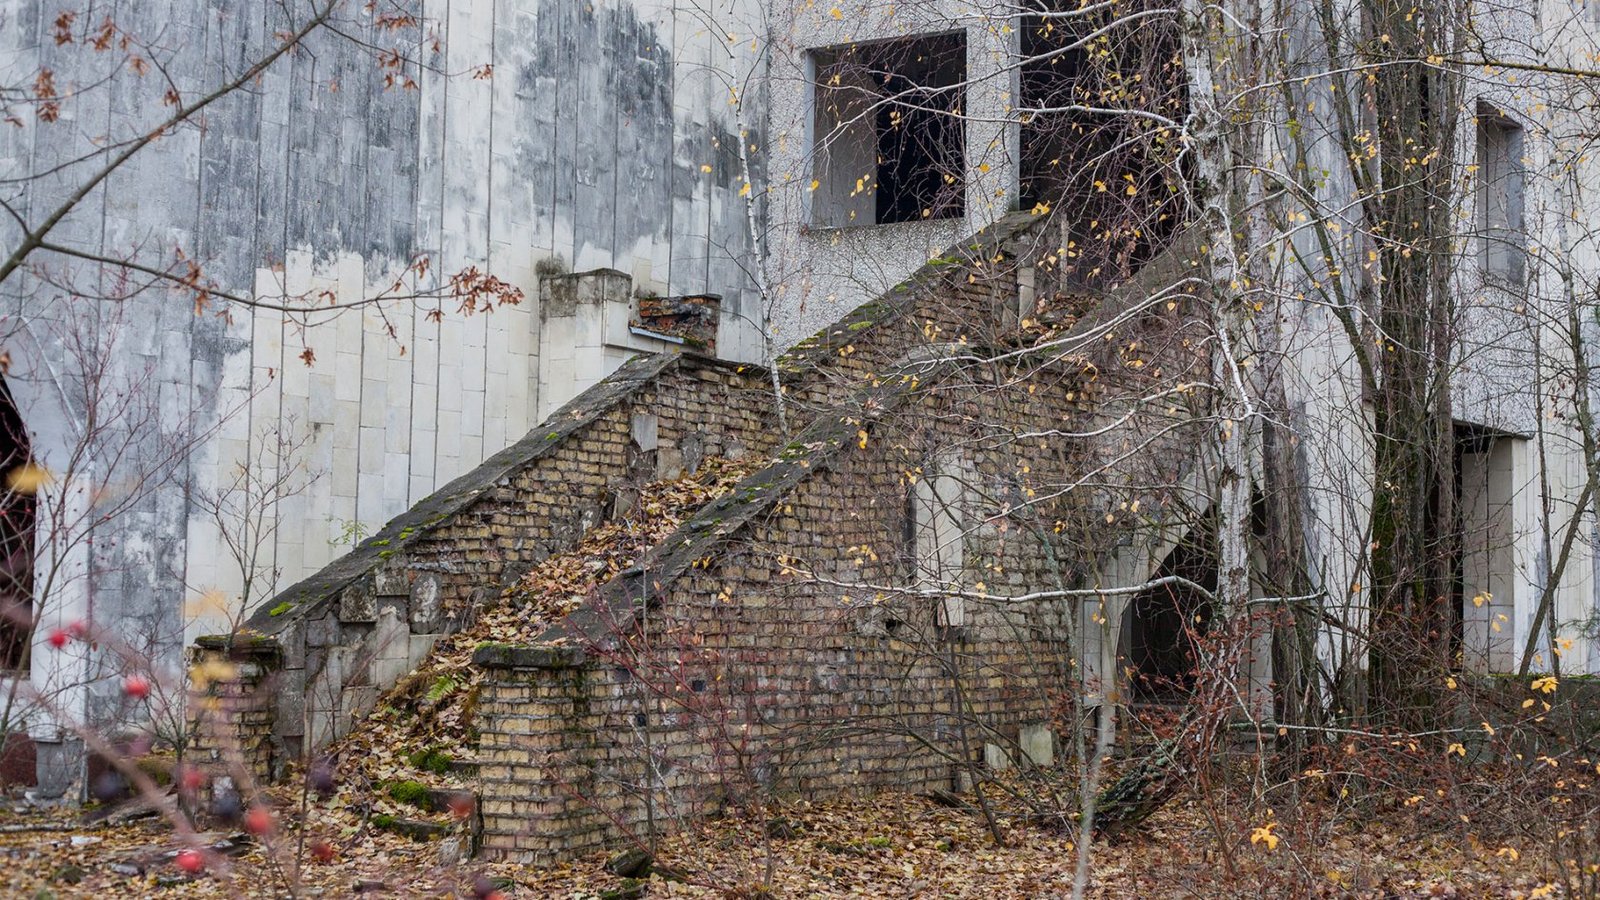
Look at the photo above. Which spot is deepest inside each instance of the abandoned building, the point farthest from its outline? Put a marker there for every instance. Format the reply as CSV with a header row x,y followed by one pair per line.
x,y
855,611
962,457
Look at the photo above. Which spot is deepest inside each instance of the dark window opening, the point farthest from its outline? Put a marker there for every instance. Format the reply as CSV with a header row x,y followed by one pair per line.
x,y
1168,620
890,142
1502,176
1117,175
1052,75
18,510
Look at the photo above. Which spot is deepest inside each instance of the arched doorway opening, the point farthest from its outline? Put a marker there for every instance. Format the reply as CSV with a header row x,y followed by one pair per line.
x,y
1167,620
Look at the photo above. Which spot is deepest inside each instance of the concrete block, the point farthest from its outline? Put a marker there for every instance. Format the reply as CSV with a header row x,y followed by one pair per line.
x,y
358,603
293,641
289,720
391,580
386,670
427,613
669,463
996,758
58,767
322,631
392,634
421,646
646,428
391,646
1038,744
355,702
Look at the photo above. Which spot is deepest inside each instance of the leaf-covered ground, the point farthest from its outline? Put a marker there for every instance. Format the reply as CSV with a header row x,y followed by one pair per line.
x,y
342,842
889,846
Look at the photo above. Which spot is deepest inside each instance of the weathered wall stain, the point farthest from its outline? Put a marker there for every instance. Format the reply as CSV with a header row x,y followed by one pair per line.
x,y
585,146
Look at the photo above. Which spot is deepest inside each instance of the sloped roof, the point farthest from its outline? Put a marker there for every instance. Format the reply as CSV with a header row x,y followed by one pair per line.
x,y
814,449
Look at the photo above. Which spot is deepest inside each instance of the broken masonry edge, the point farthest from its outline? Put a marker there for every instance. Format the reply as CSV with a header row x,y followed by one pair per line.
x,y
243,645
894,301
517,656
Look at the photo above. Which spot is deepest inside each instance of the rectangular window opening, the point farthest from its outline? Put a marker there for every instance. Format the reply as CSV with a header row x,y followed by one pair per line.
x,y
1118,177
890,141
1053,76
1502,174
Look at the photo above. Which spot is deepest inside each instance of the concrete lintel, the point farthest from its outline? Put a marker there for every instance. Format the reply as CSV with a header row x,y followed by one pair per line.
x,y
263,649
504,656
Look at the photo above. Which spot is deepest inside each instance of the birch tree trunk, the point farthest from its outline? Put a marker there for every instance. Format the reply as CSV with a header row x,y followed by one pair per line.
x,y
1220,285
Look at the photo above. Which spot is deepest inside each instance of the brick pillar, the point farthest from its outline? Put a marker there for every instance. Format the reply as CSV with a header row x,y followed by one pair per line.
x,y
536,756
232,703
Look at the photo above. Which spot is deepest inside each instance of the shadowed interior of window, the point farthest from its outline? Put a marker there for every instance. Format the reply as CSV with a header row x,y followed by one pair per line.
x,y
18,508
890,140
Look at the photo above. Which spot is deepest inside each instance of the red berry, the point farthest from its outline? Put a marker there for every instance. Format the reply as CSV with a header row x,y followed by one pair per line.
x,y
190,861
58,639
193,779
77,629
322,852
258,820
136,686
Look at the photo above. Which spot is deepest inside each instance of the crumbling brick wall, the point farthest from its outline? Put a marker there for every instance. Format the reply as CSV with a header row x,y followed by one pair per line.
x,y
798,651
231,711
351,631
787,637
786,662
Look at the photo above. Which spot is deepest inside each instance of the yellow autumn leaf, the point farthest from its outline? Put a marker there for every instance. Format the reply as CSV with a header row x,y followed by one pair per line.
x,y
1264,835
1545,685
28,478
836,13
745,191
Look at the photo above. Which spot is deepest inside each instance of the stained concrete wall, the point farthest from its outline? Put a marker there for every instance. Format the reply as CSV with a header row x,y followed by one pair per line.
x,y
601,136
